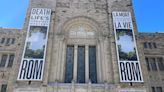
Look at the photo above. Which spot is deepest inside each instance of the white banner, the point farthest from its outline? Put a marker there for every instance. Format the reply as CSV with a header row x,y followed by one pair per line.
x,y
127,54
33,58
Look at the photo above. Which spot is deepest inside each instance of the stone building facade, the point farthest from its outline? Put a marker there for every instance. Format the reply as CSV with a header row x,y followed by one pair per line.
x,y
152,50
80,30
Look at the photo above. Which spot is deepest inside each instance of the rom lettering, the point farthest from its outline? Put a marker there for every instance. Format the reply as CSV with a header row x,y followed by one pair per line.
x,y
130,72
31,70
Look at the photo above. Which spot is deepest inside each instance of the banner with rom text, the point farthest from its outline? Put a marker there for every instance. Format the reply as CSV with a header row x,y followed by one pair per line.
x,y
33,58
127,54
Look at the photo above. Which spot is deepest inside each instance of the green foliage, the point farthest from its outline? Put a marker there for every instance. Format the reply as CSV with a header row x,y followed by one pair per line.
x,y
39,53
131,56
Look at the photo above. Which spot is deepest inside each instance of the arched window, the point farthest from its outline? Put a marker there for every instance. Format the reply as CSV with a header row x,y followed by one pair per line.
x,y
81,51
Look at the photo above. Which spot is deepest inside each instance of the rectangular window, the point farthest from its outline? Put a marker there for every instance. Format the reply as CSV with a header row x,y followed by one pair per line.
x,y
153,64
69,64
13,41
8,41
3,40
145,44
147,63
150,45
154,45
92,64
11,59
3,87
160,64
81,65
158,89
3,60
153,89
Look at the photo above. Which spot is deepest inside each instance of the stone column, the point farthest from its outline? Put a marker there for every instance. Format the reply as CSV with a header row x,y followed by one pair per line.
x,y
55,59
105,66
75,63
99,73
107,60
86,63
59,60
102,56
62,69
99,70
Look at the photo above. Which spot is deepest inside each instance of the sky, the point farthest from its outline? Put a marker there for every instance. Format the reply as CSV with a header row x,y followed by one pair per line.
x,y
149,14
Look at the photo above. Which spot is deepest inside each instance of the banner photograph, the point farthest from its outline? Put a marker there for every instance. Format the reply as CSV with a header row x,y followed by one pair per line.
x,y
125,44
33,58
36,42
127,54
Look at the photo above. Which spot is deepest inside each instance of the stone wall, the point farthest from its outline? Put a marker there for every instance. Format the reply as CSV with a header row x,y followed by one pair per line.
x,y
11,45
155,78
96,16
